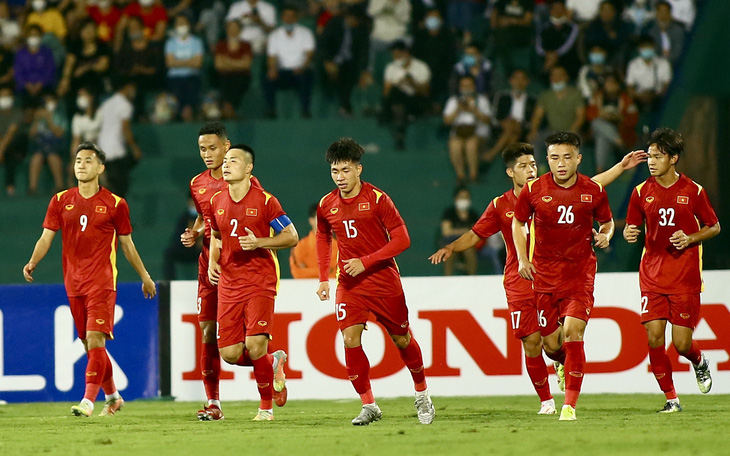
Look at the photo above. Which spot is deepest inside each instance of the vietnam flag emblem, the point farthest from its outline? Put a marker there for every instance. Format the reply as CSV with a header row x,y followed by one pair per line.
x,y
101,209
364,206
683,200
586,198
251,212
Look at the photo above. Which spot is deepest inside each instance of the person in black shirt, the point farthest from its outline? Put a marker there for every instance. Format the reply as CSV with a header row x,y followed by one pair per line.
x,y
457,220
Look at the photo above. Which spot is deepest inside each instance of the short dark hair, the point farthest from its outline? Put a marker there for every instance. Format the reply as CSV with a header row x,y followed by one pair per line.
x,y
31,27
246,148
214,128
520,70
563,137
646,39
344,150
399,45
476,45
511,153
663,3
667,141
290,6
100,155
461,188
312,210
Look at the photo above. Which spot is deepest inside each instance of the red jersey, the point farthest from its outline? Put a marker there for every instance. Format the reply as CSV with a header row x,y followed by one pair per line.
x,y
106,22
89,230
561,245
362,225
155,14
683,206
251,272
498,217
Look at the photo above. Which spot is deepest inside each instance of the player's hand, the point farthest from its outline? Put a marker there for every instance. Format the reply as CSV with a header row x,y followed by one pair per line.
x,y
354,267
214,272
680,240
441,255
633,159
600,240
527,270
28,271
149,289
323,292
631,233
249,241
189,237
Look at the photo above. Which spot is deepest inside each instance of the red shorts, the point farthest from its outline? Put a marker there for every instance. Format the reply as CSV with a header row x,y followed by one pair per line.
x,y
552,308
353,309
252,316
523,318
207,299
679,309
94,312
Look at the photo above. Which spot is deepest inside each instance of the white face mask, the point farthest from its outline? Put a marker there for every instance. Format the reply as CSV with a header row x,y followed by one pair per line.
x,y
38,5
463,204
34,41
146,2
82,102
104,4
6,102
50,106
182,30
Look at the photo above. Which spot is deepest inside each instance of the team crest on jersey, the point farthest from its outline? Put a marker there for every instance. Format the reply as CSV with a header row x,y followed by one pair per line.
x,y
404,324
252,212
100,321
586,198
202,190
684,316
221,211
101,209
263,323
334,210
547,199
69,207
682,200
363,206
649,199
588,311
510,214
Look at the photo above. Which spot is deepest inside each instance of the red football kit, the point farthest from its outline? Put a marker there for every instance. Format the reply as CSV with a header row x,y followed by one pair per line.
x,y
670,279
369,227
249,279
561,244
520,296
89,230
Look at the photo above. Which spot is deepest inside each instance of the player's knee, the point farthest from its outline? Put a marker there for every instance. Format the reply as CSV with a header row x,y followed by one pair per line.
x,y
401,341
231,355
682,346
532,345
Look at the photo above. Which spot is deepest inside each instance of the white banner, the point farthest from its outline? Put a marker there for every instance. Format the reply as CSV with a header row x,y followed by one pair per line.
x,y
462,326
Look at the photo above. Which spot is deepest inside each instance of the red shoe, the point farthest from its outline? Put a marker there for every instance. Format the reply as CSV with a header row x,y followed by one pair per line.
x,y
210,413
280,393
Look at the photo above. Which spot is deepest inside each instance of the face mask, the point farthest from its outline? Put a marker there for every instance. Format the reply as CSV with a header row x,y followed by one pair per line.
x,y
433,23
146,2
104,4
463,204
467,93
82,102
558,86
647,53
597,58
34,41
6,102
468,60
50,106
289,27
558,20
182,30
38,5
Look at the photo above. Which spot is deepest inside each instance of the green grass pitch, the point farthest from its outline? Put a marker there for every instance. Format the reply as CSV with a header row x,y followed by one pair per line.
x,y
607,425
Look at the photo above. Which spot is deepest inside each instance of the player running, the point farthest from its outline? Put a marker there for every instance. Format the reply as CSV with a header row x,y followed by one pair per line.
x,y
91,218
678,217
561,207
522,168
244,266
370,234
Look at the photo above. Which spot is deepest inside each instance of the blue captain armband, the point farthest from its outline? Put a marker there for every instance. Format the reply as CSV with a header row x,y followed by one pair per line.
x,y
279,223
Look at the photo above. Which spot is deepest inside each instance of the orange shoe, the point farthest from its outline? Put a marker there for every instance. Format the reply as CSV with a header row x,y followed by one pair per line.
x,y
112,406
210,413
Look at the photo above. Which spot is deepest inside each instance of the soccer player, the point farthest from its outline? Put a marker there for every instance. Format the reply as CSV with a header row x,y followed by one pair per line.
x,y
561,207
248,224
370,234
91,218
522,168
213,143
678,217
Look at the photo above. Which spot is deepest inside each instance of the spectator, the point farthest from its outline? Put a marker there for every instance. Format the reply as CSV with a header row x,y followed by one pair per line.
x,y
407,84
592,74
473,64
9,28
462,14
303,257
583,11
154,18
184,58
390,24
610,32
85,126
648,76
326,10
107,15
210,21
176,252
14,139
290,52
421,8
345,42
562,106
639,14
34,68
48,18
513,110
115,137
513,32
46,133
457,220
258,18
6,67
437,46
684,11
87,63
233,66
466,114
556,41
667,33
613,117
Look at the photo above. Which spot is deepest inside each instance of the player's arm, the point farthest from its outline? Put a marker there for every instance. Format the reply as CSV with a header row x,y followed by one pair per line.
x,y
519,235
465,242
680,240
214,269
399,242
323,245
630,160
39,252
634,218
190,235
286,236
130,252
603,236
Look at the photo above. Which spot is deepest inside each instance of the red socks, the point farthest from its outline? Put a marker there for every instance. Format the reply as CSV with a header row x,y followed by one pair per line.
x,y
538,373
263,370
95,372
358,371
210,363
694,354
108,383
575,359
661,367
558,356
413,359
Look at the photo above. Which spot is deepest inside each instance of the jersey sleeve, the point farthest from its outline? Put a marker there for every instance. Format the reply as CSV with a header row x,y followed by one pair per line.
x,y
602,212
523,208
634,214
213,209
488,223
323,242
389,215
274,209
703,210
195,200
122,223
52,220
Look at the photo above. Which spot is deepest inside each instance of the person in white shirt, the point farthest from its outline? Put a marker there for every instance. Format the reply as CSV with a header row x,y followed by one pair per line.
x,y
289,57
390,24
258,19
648,76
583,11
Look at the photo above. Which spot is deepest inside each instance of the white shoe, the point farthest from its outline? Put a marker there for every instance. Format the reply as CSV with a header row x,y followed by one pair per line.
x,y
424,408
671,407
702,372
368,414
547,407
264,415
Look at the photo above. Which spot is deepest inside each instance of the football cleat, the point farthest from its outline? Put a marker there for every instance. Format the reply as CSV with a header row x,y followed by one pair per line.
x,y
210,413
670,407
567,413
560,372
112,406
280,392
368,414
547,407
424,408
264,415
702,372
82,410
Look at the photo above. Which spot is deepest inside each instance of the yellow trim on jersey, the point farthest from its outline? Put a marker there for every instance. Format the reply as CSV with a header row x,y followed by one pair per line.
x,y
193,179
600,186
117,199
639,187
60,194
699,187
377,196
113,260
494,201
529,183
214,195
531,253
268,197
321,201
